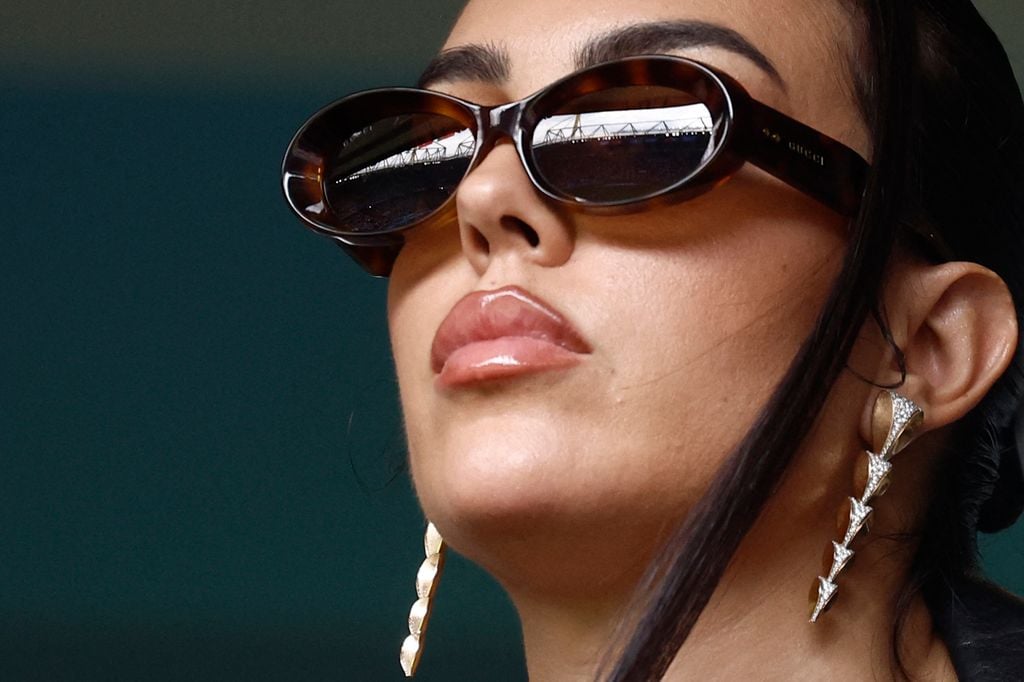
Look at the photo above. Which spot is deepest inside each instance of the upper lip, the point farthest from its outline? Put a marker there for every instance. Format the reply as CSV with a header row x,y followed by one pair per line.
x,y
507,312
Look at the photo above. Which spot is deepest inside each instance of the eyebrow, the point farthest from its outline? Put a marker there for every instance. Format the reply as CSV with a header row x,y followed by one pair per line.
x,y
491,63
664,36
487,63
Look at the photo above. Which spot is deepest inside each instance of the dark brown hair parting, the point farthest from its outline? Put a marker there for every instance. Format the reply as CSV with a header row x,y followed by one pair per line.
x,y
947,127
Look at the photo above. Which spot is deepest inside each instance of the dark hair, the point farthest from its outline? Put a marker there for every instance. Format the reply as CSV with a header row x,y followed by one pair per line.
x,y
946,120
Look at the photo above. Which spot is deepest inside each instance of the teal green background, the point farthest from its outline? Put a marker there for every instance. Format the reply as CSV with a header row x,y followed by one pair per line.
x,y
202,458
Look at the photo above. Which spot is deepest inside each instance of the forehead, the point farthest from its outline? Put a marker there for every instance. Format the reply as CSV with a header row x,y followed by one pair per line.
x,y
808,42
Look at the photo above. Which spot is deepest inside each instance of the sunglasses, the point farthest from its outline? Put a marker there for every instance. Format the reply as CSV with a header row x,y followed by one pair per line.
x,y
614,138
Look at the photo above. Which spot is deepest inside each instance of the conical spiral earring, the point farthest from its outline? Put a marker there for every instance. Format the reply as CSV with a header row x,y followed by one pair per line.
x,y
426,585
893,422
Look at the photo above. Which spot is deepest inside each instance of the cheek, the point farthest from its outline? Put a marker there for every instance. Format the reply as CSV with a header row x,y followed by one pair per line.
x,y
712,338
724,314
427,279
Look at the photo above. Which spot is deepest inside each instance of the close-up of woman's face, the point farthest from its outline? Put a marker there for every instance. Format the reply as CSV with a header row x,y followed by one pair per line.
x,y
654,337
560,340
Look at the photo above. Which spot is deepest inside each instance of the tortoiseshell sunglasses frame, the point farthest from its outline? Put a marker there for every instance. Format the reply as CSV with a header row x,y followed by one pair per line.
x,y
800,156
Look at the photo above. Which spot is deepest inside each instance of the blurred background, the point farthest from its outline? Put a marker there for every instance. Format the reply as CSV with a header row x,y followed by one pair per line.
x,y
202,464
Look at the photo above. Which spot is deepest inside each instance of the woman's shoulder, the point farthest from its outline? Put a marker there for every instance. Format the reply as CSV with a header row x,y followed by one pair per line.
x,y
983,627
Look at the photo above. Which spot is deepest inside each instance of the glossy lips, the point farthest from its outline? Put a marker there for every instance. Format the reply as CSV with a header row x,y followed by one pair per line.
x,y
503,333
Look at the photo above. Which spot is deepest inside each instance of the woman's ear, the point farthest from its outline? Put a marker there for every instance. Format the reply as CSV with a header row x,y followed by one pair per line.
x,y
957,326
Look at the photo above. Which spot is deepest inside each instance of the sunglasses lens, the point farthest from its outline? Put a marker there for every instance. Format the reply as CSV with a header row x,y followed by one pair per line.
x,y
396,171
624,143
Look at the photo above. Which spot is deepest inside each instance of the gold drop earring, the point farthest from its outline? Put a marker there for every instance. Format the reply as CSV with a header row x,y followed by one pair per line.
x,y
894,419
426,585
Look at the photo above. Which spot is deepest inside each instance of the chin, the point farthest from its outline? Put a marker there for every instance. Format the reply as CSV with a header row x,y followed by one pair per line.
x,y
529,503
495,476
535,535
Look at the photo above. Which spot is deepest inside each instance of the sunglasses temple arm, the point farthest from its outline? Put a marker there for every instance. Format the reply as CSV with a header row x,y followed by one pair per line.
x,y
804,158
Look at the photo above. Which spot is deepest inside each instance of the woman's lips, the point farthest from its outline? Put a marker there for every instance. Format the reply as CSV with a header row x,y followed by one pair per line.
x,y
507,332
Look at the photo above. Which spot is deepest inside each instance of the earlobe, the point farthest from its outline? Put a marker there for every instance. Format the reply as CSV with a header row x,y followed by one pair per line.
x,y
957,326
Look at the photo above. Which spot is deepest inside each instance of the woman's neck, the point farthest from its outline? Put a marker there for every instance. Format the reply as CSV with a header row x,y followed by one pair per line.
x,y
756,624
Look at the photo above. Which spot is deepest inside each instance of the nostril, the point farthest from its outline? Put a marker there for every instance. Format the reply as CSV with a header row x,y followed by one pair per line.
x,y
531,235
517,225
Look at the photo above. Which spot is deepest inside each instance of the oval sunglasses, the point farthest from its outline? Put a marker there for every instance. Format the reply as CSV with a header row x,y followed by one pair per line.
x,y
617,137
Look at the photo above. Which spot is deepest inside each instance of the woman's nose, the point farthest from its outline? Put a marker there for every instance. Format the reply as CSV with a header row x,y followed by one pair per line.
x,y
501,215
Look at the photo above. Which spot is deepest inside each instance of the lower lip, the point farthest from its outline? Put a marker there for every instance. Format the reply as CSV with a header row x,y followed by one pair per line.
x,y
510,356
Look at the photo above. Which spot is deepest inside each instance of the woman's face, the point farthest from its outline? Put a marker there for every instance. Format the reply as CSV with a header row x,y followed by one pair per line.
x,y
686,316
